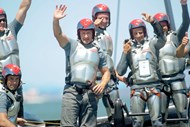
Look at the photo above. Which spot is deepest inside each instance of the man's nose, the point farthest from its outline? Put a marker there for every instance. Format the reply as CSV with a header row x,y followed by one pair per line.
x,y
138,34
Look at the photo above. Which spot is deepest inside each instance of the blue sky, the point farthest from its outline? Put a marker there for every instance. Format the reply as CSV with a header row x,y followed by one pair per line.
x,y
42,60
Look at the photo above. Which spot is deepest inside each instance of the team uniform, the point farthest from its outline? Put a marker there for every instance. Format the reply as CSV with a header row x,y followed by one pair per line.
x,y
145,77
104,39
79,101
111,92
172,68
85,61
10,100
9,50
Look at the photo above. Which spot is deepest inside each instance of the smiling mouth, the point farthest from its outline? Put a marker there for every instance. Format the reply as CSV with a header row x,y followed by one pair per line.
x,y
11,88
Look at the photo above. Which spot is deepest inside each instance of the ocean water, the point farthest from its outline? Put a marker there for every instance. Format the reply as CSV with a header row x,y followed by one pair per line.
x,y
44,111
51,110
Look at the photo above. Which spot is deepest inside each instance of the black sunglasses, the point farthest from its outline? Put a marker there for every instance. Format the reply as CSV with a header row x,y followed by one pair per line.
x,y
4,20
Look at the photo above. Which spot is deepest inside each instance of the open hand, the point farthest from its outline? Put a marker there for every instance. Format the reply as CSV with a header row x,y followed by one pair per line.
x,y
147,17
60,11
98,89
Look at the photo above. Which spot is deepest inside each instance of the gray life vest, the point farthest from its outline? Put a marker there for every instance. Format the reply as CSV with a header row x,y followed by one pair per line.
x,y
144,64
168,62
84,64
9,52
15,107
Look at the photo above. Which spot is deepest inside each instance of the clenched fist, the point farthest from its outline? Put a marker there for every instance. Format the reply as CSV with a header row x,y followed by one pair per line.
x,y
127,46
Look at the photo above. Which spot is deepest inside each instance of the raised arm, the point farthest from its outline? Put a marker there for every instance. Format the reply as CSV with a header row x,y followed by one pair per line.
x,y
182,50
158,30
156,26
59,35
185,21
21,14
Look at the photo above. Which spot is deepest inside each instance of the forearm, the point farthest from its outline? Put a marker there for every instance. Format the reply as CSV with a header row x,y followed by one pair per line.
x,y
56,28
105,78
21,14
185,14
59,35
185,23
180,52
25,5
6,123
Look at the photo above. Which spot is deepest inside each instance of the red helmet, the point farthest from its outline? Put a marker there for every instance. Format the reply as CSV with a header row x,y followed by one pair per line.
x,y
10,69
2,13
160,17
136,23
100,8
85,24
